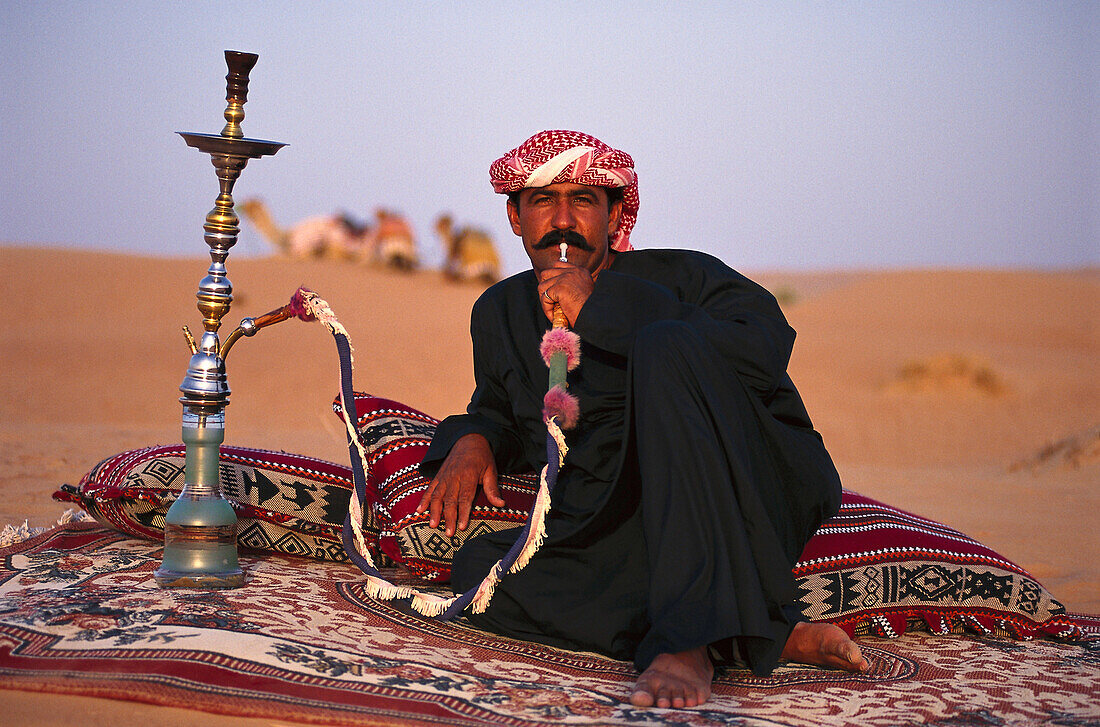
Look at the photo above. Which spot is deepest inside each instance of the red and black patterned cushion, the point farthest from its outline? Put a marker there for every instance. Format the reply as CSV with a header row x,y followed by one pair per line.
x,y
877,569
397,437
872,569
284,502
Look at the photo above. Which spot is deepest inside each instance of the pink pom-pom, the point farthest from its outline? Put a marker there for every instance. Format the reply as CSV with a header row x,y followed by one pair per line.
x,y
563,405
561,339
298,307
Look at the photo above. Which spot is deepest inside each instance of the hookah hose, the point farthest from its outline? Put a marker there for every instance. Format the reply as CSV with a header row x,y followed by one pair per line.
x,y
560,349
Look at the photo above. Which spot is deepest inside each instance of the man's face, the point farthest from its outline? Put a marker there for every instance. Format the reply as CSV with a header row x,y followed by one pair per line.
x,y
574,213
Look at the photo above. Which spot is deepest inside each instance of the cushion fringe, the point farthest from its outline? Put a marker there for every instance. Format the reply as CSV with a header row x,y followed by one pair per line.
x,y
428,604
559,439
538,526
15,534
943,623
382,589
356,511
486,589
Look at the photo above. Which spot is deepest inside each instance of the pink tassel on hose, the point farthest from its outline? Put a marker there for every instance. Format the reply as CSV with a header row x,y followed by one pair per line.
x,y
563,405
298,306
564,340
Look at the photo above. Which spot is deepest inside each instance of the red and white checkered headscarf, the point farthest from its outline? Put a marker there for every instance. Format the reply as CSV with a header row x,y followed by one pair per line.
x,y
552,157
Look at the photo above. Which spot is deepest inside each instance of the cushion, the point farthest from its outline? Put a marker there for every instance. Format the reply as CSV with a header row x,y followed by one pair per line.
x,y
875,569
396,438
284,502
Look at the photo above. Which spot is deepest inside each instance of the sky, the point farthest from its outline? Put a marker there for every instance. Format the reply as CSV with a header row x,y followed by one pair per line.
x,y
791,135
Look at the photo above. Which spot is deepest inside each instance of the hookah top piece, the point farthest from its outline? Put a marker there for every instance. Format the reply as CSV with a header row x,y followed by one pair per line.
x,y
231,141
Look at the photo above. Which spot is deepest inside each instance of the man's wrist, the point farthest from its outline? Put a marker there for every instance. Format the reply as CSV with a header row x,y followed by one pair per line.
x,y
473,439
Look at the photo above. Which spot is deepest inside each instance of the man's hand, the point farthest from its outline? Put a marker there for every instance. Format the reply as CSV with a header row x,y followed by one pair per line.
x,y
566,284
450,495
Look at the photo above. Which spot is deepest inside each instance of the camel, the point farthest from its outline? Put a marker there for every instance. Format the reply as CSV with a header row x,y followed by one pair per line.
x,y
390,242
471,254
393,242
324,236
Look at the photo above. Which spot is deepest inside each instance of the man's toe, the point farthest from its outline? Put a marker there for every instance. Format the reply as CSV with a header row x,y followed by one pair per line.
x,y
849,653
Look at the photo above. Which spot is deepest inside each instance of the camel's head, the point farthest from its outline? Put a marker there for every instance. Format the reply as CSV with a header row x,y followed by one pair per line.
x,y
250,206
443,225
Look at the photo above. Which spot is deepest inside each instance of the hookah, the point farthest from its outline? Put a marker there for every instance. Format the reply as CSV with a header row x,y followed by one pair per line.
x,y
200,545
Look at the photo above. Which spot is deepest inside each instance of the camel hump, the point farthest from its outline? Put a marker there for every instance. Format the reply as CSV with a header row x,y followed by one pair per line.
x,y
475,242
472,256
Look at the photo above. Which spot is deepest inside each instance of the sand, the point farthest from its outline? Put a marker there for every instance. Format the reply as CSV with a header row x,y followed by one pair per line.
x,y
969,396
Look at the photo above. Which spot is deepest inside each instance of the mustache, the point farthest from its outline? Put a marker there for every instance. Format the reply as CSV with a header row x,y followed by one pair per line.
x,y
554,238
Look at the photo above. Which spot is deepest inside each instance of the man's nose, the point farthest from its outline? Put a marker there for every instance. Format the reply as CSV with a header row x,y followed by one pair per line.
x,y
564,219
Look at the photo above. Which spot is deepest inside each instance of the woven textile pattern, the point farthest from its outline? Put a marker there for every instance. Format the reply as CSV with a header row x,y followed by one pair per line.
x,y
284,502
872,569
396,437
80,613
877,569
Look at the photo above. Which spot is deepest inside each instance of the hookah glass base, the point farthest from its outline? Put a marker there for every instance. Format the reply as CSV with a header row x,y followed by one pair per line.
x,y
202,556
200,529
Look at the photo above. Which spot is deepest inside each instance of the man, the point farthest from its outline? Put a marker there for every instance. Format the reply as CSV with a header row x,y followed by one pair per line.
x,y
694,477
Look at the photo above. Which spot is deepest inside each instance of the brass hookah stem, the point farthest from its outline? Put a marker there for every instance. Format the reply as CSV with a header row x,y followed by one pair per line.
x,y
560,321
251,326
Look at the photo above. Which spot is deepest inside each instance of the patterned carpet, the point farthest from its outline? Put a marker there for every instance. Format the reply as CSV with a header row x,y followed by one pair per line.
x,y
80,614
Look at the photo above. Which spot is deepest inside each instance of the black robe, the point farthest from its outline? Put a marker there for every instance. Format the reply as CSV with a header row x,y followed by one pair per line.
x,y
694,477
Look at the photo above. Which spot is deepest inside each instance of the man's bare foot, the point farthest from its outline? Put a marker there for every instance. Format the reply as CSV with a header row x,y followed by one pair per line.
x,y
675,680
823,644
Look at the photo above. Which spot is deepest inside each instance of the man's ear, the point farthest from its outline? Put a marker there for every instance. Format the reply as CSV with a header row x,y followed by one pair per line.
x,y
614,214
513,217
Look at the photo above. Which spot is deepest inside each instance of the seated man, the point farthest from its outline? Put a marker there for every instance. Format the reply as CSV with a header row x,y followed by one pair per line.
x,y
694,477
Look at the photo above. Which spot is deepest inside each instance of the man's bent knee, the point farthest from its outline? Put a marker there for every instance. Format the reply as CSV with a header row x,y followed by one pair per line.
x,y
665,348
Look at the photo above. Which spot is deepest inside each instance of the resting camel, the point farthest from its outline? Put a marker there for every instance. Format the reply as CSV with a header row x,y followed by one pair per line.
x,y
393,241
324,236
390,242
471,254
